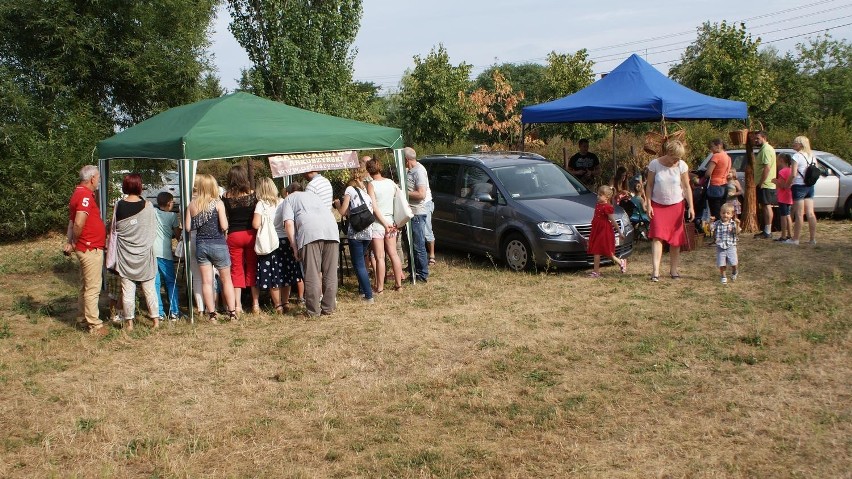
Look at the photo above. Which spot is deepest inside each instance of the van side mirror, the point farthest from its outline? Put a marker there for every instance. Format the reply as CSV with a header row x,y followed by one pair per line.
x,y
484,198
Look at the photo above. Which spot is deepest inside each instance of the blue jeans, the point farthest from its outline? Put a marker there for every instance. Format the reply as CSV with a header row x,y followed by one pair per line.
x,y
166,269
357,248
418,236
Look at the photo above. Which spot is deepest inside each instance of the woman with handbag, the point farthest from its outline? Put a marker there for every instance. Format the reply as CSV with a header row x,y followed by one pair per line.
x,y
134,261
666,189
357,205
717,173
384,231
268,244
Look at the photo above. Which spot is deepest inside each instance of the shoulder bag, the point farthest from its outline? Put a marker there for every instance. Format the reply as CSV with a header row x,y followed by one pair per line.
x,y
812,173
112,242
402,213
360,217
267,238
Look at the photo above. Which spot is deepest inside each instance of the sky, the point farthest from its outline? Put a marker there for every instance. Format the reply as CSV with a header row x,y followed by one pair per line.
x,y
487,32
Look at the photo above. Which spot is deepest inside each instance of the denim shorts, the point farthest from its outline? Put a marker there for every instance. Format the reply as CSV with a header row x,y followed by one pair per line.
x,y
801,192
213,253
726,256
430,208
784,209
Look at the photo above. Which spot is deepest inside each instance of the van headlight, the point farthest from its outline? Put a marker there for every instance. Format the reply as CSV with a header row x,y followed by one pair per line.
x,y
551,228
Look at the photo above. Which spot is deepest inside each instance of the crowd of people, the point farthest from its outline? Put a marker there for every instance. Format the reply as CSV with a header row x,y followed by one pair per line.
x,y
246,238
301,236
667,194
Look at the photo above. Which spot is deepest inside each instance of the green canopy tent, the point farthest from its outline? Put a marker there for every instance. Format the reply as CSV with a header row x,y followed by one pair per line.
x,y
235,125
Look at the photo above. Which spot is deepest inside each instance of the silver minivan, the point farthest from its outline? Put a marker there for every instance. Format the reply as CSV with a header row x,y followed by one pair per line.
x,y
518,207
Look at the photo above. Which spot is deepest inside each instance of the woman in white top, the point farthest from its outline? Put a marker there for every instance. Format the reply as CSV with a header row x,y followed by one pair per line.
x,y
269,273
803,195
384,229
665,191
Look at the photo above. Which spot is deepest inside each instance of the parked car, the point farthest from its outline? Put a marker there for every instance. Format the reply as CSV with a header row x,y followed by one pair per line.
x,y
833,190
518,207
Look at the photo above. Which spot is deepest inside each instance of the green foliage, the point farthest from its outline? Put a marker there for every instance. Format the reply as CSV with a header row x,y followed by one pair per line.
x,y
566,74
827,65
724,62
301,52
832,133
70,74
525,78
432,104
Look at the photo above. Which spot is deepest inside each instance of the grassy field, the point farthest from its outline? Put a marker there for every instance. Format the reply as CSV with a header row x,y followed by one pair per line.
x,y
479,373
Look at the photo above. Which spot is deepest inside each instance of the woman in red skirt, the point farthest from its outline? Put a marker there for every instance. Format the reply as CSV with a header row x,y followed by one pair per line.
x,y
666,189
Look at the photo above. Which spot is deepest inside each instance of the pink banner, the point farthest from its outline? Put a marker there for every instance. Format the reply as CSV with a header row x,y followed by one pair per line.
x,y
285,165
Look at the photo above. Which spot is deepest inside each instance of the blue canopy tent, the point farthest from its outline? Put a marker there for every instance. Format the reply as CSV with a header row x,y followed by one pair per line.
x,y
633,92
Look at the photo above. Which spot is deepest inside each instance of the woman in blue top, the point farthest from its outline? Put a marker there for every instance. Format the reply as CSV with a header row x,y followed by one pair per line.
x,y
206,216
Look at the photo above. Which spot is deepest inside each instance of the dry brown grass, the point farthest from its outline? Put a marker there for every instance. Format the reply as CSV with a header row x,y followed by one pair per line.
x,y
479,373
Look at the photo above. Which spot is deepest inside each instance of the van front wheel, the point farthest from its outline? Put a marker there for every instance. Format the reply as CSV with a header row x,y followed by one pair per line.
x,y
517,253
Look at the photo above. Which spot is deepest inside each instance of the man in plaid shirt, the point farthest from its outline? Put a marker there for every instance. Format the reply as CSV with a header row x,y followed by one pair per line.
x,y
725,232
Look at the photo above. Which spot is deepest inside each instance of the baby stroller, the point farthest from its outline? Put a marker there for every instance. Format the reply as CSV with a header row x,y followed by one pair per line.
x,y
638,218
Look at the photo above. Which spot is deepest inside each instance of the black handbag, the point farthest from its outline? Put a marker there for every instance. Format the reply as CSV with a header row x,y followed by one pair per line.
x,y
360,217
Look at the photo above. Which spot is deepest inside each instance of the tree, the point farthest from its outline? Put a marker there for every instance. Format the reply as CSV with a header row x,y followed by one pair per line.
x,y
827,65
72,72
724,62
566,74
496,109
301,51
432,102
119,58
525,78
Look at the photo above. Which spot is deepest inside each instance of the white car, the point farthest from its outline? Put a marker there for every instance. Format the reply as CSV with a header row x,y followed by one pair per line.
x,y
833,190
165,181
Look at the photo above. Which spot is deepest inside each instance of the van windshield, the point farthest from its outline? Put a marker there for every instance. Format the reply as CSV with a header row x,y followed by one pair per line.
x,y
542,180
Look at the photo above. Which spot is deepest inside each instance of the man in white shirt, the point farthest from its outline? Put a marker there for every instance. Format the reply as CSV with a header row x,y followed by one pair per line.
x,y
320,186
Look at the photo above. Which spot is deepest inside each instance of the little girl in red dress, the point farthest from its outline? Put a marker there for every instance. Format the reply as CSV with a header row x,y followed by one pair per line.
x,y
602,237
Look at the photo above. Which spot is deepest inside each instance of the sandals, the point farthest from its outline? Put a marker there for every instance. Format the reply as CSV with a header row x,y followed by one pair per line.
x,y
594,274
675,276
282,308
655,279
432,260
397,287
211,318
232,315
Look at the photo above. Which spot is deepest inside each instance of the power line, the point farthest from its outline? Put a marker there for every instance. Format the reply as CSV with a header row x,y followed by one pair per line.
x,y
394,79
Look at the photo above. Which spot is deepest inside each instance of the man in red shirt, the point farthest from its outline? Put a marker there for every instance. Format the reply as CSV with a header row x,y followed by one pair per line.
x,y
86,240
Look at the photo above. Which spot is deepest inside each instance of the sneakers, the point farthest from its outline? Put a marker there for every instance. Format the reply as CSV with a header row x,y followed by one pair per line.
x,y
763,235
174,317
734,275
368,300
781,238
812,242
724,280
792,241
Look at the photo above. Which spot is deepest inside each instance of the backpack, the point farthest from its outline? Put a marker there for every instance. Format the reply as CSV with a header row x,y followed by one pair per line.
x,y
812,174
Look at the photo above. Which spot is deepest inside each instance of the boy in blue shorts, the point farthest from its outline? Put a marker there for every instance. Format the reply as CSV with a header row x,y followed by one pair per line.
x,y
168,227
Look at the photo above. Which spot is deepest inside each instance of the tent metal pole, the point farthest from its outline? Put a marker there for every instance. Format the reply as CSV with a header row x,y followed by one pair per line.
x,y
614,161
399,157
185,179
523,137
